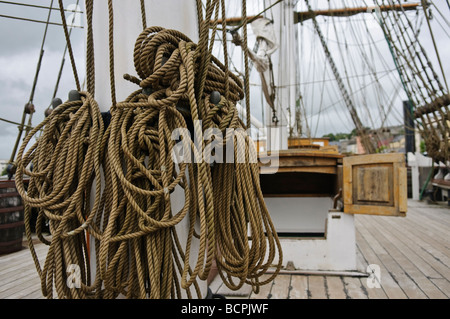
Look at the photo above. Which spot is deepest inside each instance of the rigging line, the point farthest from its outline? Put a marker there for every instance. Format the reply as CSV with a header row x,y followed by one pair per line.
x,y
362,53
441,14
271,11
63,59
428,63
15,123
433,90
380,55
303,108
69,45
346,43
256,16
311,70
111,53
390,45
391,104
38,6
339,113
343,62
321,96
351,107
443,28
41,55
30,100
342,99
378,88
37,21
143,15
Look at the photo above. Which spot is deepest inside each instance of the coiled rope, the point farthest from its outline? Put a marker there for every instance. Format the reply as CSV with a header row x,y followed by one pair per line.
x,y
116,183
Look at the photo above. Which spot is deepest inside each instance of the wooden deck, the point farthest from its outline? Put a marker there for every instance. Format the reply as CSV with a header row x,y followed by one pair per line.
x,y
413,254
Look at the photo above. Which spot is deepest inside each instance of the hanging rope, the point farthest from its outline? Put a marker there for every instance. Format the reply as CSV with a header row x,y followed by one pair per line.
x,y
130,212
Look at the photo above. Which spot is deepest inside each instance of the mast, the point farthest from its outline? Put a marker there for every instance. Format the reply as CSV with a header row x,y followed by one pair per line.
x,y
360,130
277,125
126,30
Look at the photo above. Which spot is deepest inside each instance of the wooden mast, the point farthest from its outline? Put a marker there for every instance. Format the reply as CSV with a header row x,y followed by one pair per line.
x,y
347,12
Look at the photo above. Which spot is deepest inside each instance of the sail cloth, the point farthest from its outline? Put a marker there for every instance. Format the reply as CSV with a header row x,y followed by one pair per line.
x,y
265,35
267,45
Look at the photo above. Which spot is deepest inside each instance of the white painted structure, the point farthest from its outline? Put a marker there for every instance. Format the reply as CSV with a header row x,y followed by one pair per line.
x,y
334,251
415,161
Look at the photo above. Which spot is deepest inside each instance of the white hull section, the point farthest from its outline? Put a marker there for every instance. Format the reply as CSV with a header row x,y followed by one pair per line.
x,y
335,251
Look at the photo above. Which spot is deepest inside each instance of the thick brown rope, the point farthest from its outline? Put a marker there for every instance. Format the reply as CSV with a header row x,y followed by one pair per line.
x,y
66,160
246,68
130,212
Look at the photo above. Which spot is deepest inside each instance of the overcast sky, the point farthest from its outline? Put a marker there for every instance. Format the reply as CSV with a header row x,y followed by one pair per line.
x,y
21,42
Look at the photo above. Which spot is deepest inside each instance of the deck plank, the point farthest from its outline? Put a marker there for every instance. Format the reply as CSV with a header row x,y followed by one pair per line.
x,y
409,249
403,280
435,236
424,250
388,284
336,289
299,284
316,287
403,258
281,287
19,284
354,288
433,213
436,221
412,252
443,284
373,292
29,294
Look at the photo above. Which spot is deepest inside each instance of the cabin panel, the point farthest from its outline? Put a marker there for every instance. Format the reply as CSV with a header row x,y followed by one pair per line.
x,y
375,185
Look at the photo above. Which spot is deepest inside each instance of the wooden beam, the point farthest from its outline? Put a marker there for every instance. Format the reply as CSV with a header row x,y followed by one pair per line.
x,y
306,15
236,21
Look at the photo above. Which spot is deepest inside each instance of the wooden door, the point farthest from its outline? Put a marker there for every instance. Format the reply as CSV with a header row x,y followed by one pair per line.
x,y
375,184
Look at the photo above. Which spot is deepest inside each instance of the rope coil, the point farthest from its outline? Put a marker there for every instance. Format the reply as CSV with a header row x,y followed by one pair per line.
x,y
132,216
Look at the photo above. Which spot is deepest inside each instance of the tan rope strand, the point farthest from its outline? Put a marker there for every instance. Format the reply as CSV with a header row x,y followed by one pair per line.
x,y
69,46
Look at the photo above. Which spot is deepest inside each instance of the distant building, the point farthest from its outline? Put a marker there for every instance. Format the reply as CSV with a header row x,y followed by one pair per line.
x,y
391,139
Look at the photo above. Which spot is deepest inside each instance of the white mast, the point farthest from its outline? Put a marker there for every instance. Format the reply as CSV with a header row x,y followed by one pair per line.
x,y
127,27
285,77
